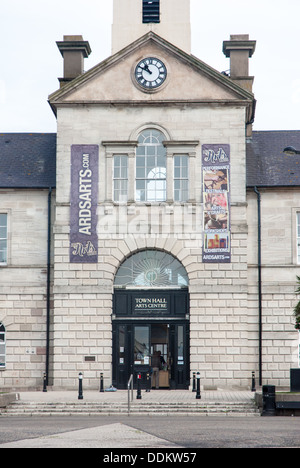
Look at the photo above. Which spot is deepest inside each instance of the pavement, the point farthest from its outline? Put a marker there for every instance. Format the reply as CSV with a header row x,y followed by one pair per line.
x,y
115,435
154,396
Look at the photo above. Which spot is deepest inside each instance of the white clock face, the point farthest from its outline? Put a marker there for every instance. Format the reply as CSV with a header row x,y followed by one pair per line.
x,y
150,73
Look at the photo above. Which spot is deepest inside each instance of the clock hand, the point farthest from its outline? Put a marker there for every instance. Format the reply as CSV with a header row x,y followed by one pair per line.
x,y
147,69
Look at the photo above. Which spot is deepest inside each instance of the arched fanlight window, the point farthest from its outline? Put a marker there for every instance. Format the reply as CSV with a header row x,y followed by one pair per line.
x,y
152,269
2,346
151,167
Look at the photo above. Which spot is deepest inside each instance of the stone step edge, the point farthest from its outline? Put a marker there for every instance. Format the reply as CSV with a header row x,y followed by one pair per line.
x,y
133,408
132,412
139,409
140,403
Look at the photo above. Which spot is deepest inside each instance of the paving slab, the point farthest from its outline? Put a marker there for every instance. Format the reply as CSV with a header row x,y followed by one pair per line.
x,y
109,436
121,396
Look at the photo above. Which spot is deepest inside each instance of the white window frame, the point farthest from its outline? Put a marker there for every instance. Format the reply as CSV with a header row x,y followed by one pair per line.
x,y
186,148
298,236
129,148
120,178
295,249
181,178
154,181
4,239
117,148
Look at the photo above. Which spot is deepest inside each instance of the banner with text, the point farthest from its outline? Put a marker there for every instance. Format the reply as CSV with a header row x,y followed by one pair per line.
x,y
216,204
84,198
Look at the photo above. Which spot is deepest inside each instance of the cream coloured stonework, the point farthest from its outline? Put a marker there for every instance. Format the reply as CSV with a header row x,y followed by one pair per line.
x,y
279,271
218,293
174,23
23,285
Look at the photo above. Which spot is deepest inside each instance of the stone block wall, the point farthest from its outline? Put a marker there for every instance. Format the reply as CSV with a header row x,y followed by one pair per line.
x,y
280,340
23,288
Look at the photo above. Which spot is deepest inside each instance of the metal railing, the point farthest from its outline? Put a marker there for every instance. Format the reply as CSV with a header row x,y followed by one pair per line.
x,y
130,391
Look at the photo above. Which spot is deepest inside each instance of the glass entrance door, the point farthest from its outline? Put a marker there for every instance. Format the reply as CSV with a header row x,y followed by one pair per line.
x,y
160,353
141,354
179,350
137,345
141,345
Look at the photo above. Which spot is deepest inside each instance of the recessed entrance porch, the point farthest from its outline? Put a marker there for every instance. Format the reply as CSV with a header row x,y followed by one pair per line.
x,y
151,322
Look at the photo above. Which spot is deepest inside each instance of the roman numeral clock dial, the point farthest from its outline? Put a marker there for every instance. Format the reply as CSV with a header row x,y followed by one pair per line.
x,y
150,73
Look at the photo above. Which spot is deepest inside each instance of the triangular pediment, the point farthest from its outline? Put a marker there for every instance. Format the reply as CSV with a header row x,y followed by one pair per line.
x,y
188,79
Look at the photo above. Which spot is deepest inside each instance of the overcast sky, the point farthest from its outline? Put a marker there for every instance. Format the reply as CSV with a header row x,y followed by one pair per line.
x,y
31,62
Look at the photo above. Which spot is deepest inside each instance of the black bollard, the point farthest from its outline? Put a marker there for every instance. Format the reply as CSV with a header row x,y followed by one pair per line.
x,y
45,382
80,395
194,381
198,396
148,383
138,395
253,389
101,383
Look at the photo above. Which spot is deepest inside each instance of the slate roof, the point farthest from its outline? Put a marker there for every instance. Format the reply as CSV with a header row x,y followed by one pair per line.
x,y
267,164
27,160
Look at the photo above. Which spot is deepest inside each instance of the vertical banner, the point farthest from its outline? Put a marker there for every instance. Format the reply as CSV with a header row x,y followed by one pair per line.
x,y
84,198
216,204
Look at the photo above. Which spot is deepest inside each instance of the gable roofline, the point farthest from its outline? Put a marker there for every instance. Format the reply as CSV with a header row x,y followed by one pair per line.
x,y
58,96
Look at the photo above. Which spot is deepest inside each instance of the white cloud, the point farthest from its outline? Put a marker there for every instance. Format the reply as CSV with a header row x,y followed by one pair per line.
x,y
2,92
296,91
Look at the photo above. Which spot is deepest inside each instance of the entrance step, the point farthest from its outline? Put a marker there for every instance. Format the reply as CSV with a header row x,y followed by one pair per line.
x,y
20,408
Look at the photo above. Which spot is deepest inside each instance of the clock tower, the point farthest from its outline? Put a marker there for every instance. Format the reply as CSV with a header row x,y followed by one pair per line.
x,y
150,228
169,19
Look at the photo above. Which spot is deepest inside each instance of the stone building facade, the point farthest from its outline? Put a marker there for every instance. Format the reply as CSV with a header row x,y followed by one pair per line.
x,y
154,220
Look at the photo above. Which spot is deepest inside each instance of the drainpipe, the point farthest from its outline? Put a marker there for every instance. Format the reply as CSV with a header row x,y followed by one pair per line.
x,y
259,280
48,286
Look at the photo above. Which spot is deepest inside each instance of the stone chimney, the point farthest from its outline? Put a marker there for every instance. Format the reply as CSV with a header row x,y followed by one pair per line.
x,y
239,49
74,50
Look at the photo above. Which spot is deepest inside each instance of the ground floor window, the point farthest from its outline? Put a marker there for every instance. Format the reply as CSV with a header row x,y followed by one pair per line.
x,y
298,237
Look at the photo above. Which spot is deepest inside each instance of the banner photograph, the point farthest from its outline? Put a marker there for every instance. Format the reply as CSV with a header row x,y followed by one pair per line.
x,y
216,203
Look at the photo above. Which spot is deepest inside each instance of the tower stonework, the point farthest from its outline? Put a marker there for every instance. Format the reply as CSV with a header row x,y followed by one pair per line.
x,y
169,139
173,23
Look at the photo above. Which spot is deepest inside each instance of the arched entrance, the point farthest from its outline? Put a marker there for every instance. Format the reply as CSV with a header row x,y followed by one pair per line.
x,y
151,317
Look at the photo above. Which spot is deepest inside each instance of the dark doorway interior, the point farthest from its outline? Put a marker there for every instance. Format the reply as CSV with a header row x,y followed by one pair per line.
x,y
135,345
146,323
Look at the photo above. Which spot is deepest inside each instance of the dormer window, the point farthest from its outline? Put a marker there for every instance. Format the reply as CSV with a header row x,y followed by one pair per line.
x,y
151,11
